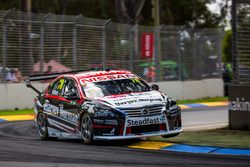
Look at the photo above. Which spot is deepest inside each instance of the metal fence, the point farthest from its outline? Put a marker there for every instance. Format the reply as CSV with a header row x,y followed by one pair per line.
x,y
45,43
241,41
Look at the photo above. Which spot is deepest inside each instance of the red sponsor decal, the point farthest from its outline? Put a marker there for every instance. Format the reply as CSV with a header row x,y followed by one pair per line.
x,y
103,73
103,126
107,77
147,45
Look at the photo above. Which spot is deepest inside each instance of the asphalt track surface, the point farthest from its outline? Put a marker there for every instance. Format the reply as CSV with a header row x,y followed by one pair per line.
x,y
21,146
204,117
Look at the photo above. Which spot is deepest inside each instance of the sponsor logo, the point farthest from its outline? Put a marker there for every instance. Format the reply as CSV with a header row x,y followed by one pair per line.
x,y
239,105
68,116
98,121
146,121
60,112
138,101
111,122
104,114
106,121
51,109
108,77
144,111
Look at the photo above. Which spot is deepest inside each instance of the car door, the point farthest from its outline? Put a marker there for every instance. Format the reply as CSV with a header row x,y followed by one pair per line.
x,y
69,105
56,106
53,97
52,103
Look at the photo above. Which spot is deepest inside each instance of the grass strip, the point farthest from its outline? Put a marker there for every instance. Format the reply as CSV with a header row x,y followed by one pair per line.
x,y
212,99
16,112
217,137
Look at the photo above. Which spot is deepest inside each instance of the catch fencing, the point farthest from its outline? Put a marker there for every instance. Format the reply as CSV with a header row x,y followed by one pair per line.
x,y
46,43
241,41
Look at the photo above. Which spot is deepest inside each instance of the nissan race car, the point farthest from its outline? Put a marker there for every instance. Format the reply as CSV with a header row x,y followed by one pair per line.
x,y
103,105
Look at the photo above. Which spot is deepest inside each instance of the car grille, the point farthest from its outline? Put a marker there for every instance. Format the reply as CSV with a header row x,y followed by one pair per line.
x,y
143,111
144,128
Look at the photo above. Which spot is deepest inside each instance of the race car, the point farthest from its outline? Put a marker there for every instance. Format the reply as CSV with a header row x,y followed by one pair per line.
x,y
103,105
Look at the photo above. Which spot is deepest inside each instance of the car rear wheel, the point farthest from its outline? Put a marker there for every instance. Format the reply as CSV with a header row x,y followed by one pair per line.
x,y
87,129
42,126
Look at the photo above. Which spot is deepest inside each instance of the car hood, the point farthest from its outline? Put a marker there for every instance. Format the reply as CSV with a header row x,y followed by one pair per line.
x,y
134,99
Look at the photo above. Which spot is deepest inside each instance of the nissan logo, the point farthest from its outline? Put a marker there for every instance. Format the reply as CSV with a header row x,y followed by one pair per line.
x,y
144,111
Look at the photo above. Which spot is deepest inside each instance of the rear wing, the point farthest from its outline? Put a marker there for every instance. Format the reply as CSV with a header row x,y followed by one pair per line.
x,y
43,77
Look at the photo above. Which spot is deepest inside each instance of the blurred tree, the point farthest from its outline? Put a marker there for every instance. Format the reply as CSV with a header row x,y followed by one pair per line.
x,y
227,47
103,9
7,4
191,13
129,11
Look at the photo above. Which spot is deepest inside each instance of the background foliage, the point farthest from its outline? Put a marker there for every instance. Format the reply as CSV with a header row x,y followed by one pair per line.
x,y
191,13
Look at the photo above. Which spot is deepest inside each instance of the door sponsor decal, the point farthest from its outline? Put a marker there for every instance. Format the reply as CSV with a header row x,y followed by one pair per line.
x,y
60,112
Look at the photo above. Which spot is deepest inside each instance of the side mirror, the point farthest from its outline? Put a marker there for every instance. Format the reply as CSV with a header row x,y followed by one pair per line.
x,y
155,87
172,103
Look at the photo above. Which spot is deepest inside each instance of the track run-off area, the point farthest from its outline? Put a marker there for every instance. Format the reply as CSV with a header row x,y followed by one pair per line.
x,y
20,145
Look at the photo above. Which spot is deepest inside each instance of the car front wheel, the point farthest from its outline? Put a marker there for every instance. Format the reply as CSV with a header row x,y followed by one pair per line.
x,y
87,129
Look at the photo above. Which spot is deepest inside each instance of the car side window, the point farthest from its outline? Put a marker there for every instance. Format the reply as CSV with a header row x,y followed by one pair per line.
x,y
57,87
70,88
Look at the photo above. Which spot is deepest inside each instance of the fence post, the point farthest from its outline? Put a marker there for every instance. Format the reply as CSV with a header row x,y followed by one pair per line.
x,y
42,41
4,45
75,65
132,47
195,69
179,58
219,51
157,54
104,36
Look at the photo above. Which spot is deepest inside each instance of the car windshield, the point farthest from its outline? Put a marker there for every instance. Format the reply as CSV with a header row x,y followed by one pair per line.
x,y
114,87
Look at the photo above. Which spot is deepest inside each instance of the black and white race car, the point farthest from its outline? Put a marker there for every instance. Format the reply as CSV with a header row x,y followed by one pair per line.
x,y
103,105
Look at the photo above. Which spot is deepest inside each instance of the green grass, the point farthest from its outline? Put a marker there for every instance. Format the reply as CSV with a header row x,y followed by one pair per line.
x,y
218,137
16,112
212,99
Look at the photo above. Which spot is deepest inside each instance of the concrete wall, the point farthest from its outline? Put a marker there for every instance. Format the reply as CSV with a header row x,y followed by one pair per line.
x,y
17,95
192,89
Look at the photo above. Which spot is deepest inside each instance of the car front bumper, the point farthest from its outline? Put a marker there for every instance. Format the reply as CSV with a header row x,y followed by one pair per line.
x,y
142,135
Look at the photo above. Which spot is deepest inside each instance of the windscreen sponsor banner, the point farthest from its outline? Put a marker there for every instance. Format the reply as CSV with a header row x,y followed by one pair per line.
x,y
107,77
147,45
135,99
139,121
143,100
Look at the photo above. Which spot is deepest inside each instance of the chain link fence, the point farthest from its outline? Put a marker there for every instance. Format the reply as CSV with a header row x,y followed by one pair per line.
x,y
47,43
241,41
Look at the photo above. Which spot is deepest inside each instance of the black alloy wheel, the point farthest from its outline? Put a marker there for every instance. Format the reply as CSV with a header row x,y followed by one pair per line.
x,y
87,129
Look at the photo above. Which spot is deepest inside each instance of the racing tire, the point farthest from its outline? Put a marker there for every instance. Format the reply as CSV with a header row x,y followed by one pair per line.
x,y
42,126
87,129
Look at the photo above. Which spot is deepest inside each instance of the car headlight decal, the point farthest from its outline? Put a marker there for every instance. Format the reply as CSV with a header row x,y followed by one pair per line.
x,y
104,113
